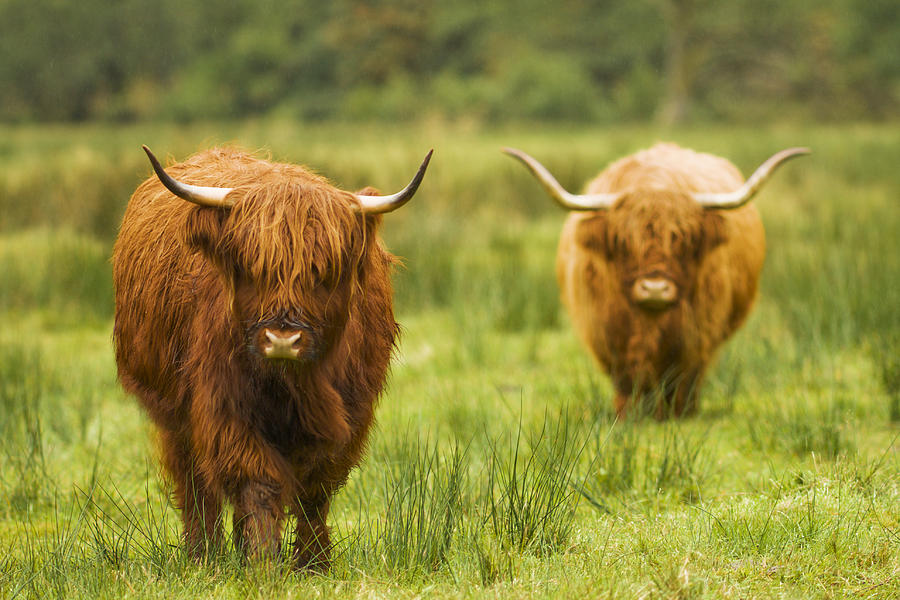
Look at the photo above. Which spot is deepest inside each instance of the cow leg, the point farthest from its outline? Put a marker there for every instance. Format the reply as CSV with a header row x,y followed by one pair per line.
x,y
634,399
238,519
258,517
201,516
661,408
201,506
663,396
624,398
622,404
686,397
312,543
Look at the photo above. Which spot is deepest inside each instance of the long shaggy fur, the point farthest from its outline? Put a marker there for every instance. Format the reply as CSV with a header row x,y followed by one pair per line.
x,y
714,256
194,285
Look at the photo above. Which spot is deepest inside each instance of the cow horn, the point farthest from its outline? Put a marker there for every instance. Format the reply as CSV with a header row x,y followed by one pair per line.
x,y
382,204
556,191
745,193
204,196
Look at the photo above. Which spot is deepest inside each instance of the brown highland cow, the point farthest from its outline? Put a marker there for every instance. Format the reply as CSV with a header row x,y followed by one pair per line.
x,y
659,265
254,323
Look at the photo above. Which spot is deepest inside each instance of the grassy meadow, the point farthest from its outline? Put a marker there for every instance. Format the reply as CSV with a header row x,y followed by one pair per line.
x,y
497,468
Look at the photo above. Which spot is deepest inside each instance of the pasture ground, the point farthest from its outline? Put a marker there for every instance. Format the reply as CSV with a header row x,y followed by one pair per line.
x,y
497,469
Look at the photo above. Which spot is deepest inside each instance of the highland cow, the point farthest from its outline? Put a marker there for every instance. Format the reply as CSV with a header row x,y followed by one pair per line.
x,y
658,266
254,323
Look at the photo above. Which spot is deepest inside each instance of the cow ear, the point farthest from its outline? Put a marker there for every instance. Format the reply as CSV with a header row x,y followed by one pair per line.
x,y
591,233
203,229
713,231
368,191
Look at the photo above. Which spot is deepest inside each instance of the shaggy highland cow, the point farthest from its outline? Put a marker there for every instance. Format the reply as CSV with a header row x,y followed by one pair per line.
x,y
659,265
254,323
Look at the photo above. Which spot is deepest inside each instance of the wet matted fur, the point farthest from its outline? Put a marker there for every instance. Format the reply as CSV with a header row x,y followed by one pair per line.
x,y
195,285
656,228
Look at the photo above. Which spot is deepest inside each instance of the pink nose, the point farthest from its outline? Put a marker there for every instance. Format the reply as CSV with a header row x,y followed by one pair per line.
x,y
281,344
654,292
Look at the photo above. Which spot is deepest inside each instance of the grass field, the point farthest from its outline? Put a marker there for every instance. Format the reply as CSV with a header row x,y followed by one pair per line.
x,y
497,469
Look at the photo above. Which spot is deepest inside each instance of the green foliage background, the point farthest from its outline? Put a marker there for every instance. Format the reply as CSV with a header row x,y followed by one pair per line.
x,y
574,60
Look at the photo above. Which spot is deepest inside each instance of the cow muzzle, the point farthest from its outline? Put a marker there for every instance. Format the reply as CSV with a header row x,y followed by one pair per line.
x,y
280,344
654,293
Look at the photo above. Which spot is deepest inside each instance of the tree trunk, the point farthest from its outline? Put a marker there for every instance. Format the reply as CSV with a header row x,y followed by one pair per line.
x,y
675,105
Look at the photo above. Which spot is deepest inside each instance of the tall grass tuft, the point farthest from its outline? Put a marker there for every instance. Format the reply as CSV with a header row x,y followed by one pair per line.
x,y
50,554
122,529
531,499
634,461
803,427
425,495
25,481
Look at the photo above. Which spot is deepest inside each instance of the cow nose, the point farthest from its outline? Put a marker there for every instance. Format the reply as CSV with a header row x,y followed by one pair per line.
x,y
281,344
655,292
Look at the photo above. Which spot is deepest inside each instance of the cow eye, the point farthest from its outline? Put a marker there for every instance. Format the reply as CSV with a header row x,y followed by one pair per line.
x,y
320,277
316,276
238,273
619,247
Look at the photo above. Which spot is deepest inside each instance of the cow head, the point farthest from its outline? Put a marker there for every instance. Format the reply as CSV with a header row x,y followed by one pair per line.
x,y
291,248
654,237
653,241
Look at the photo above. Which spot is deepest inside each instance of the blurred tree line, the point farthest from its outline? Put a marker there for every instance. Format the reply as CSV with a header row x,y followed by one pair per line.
x,y
387,59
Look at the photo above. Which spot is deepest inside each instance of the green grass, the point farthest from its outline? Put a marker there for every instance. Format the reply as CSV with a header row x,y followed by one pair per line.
x,y
496,468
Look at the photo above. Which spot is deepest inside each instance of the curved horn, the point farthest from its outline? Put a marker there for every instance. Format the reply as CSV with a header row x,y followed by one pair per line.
x,y
204,196
381,204
745,193
556,191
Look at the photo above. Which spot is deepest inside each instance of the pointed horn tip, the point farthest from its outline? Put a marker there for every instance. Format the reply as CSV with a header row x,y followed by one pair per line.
x,y
798,151
427,159
424,165
384,204
420,174
153,160
523,157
